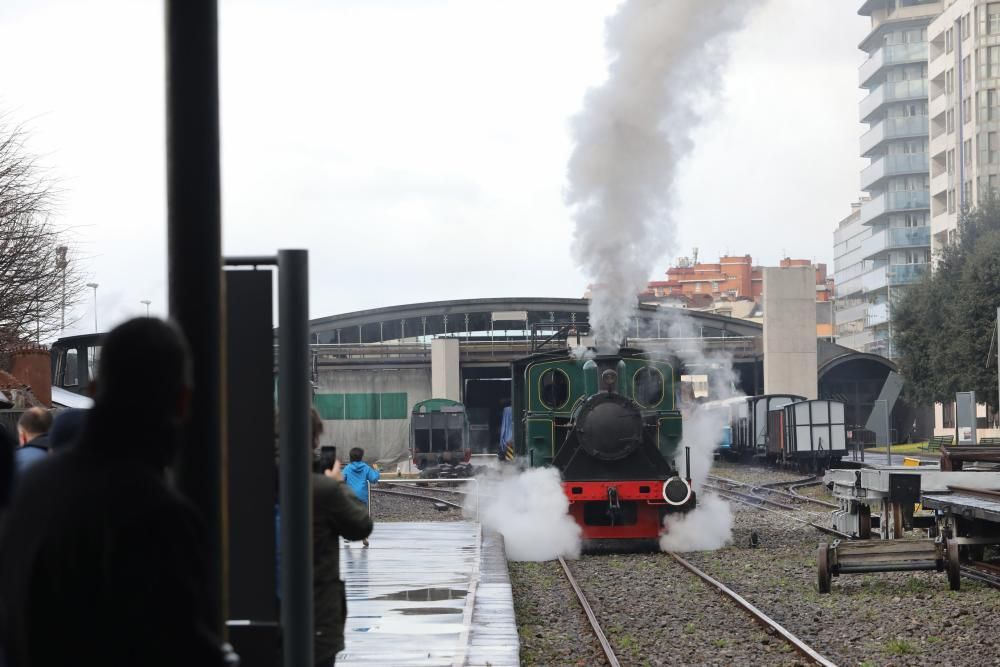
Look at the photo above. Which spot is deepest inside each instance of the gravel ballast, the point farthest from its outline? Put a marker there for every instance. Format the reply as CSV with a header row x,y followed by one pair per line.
x,y
655,612
388,507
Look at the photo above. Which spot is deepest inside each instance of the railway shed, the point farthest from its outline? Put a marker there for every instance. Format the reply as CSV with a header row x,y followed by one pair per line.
x,y
371,367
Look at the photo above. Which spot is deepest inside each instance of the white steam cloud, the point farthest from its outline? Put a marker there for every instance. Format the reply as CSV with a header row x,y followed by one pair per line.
x,y
630,136
710,525
531,511
707,527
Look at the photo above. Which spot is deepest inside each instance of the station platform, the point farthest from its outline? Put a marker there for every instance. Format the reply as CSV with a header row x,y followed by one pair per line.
x,y
428,594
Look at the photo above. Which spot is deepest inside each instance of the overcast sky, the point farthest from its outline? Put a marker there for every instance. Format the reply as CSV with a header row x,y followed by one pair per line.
x,y
417,148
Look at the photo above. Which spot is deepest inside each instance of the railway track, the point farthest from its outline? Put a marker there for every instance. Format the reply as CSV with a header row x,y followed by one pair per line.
x,y
768,623
418,496
769,489
609,652
787,511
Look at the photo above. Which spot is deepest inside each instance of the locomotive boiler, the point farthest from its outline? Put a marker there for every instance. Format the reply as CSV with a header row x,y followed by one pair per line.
x,y
610,425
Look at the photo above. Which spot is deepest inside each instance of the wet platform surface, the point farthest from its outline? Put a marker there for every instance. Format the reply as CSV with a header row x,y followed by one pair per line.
x,y
428,594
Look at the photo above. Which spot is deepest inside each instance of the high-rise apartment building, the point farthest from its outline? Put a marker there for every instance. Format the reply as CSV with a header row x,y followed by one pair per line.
x,y
893,251
964,71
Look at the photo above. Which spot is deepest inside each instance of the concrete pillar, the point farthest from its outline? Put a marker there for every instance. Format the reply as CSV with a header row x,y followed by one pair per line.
x,y
446,380
790,331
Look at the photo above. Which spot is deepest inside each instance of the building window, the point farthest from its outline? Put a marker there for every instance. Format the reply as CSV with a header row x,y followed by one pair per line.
x,y
993,184
966,66
993,18
715,286
951,200
993,62
965,26
949,81
951,162
967,152
948,414
966,110
951,121
949,40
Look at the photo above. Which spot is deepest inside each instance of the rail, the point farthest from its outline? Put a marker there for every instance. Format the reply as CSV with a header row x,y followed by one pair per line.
x,y
768,488
735,497
800,646
395,482
609,652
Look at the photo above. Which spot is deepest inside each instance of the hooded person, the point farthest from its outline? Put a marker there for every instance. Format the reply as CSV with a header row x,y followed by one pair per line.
x,y
102,561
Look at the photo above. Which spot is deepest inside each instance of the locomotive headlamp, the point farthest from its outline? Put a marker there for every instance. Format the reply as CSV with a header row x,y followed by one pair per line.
x,y
676,491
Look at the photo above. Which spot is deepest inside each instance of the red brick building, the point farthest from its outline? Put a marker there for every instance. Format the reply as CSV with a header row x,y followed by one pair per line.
x,y
732,278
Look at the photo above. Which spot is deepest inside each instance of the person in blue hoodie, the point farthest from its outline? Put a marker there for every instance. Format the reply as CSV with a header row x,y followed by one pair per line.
x,y
358,474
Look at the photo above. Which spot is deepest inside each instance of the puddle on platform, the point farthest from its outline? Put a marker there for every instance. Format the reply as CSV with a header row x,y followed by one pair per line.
x,y
426,595
428,611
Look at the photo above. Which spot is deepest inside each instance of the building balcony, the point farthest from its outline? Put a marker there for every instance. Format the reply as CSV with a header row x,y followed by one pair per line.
x,y
894,165
878,313
896,237
894,275
894,128
915,89
897,54
856,341
852,314
898,200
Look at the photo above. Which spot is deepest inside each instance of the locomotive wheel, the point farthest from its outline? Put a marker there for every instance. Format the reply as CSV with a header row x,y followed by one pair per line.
x,y
954,569
823,569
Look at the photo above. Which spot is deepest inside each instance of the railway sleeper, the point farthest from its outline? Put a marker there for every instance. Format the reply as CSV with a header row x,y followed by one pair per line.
x,y
915,555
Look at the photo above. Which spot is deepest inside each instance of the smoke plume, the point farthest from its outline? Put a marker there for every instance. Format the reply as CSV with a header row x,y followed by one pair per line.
x,y
630,136
531,511
710,525
707,527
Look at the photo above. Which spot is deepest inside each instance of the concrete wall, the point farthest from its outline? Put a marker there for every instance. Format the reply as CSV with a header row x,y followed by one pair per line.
x,y
446,375
790,331
384,440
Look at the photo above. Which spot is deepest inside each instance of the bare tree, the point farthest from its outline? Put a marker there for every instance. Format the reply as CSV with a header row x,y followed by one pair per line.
x,y
37,280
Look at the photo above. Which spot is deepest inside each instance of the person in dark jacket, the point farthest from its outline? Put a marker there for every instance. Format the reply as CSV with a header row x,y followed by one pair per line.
x,y
66,427
102,562
7,447
33,435
336,512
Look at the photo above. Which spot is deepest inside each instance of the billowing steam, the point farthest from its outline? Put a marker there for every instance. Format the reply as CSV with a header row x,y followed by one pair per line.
x,y
710,525
531,511
630,136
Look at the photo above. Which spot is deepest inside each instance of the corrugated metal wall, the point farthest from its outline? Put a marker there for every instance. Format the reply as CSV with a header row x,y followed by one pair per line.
x,y
370,409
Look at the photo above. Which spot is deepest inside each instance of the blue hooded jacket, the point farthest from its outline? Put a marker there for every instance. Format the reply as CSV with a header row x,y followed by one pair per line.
x,y
356,474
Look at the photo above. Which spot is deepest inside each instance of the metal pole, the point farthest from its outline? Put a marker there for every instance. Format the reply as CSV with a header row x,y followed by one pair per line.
x,y
194,265
295,441
94,287
998,359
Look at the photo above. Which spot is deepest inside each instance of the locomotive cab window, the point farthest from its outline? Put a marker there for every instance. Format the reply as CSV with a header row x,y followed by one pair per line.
x,y
648,386
553,388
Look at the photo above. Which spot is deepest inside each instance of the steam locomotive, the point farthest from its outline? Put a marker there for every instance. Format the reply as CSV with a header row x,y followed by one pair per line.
x,y
610,426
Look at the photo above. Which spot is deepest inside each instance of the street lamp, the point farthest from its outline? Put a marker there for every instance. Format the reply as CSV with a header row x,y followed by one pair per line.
x,y
93,286
61,264
146,303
